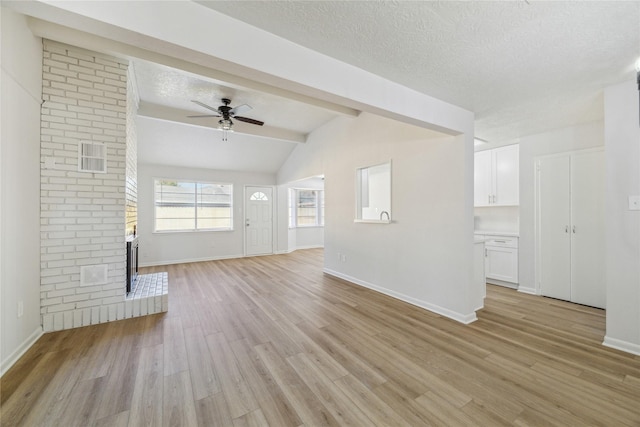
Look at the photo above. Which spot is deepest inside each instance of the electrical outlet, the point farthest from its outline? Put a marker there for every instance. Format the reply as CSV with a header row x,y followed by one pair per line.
x,y
20,308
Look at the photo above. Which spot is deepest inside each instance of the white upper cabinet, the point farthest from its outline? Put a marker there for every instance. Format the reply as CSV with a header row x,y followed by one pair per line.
x,y
482,187
496,177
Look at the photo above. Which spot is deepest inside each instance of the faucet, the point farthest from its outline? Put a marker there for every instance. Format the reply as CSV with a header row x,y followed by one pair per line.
x,y
385,213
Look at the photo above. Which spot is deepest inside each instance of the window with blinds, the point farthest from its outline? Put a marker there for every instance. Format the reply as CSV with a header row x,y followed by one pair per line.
x,y
192,206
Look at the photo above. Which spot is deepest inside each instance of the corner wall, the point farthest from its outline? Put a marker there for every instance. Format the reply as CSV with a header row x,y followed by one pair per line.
x,y
21,92
82,214
622,232
425,255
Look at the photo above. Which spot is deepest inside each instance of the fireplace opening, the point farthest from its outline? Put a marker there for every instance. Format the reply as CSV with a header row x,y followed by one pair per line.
x,y
132,262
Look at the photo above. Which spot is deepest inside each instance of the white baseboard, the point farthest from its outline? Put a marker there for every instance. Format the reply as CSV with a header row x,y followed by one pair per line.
x,y
625,346
217,258
502,283
309,247
459,317
188,260
524,290
288,251
22,349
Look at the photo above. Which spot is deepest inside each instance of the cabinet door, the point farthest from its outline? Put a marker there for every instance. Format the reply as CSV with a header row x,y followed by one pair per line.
x,y
501,264
482,180
554,208
587,232
507,176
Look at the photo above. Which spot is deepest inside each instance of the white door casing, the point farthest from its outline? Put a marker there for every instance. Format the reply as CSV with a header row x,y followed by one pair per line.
x,y
258,208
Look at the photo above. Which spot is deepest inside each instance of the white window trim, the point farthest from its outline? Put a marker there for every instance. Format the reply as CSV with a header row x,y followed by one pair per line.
x,y
203,230
293,208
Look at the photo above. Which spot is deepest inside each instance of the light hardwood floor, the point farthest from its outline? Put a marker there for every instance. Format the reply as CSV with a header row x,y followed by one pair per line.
x,y
273,341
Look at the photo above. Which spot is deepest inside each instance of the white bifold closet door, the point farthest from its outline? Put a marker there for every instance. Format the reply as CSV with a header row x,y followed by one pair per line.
x,y
555,218
571,222
587,232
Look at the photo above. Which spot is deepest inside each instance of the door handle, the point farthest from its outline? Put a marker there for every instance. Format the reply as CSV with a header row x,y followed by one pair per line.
x,y
566,228
573,229
489,198
494,198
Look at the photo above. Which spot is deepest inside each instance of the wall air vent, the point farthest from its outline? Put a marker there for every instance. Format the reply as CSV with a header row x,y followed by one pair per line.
x,y
92,275
92,157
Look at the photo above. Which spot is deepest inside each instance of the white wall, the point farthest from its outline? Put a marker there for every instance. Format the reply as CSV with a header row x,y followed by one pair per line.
x,y
425,255
285,237
622,233
309,237
497,218
21,94
556,141
171,248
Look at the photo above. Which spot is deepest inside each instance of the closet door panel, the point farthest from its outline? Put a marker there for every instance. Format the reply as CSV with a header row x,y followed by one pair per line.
x,y
587,233
555,218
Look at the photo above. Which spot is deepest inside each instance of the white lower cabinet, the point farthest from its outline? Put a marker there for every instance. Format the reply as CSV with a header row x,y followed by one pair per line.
x,y
501,260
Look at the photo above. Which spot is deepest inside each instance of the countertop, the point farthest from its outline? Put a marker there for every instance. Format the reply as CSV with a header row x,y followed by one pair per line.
x,y
497,233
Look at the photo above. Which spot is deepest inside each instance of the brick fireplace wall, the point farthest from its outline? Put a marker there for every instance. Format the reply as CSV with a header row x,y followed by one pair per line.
x,y
82,214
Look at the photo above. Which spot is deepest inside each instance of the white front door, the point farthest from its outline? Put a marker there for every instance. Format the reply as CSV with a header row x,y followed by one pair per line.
x,y
258,208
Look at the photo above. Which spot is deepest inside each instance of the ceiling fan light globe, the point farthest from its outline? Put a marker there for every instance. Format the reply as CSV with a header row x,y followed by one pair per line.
x,y
225,124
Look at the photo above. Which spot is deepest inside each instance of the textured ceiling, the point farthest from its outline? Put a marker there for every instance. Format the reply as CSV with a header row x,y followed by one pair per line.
x,y
522,67
166,136
169,87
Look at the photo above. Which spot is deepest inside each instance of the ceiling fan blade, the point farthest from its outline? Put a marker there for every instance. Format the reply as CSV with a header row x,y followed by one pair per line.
x,y
240,109
204,115
204,105
248,120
